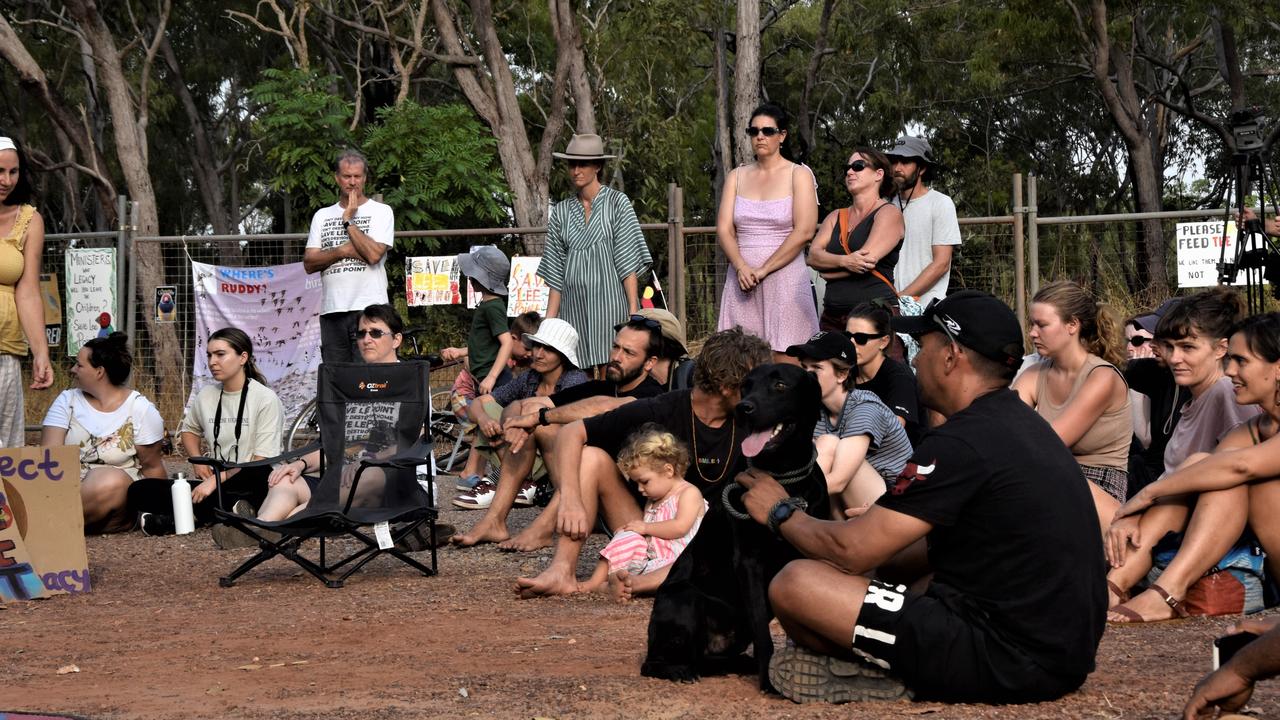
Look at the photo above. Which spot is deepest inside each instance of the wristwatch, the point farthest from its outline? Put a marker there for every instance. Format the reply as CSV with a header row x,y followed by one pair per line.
x,y
346,224
783,510
542,416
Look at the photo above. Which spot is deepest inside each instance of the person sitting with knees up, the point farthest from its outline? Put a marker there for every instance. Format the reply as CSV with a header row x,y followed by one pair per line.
x,y
235,419
861,445
1089,410
1013,610
639,556
117,429
868,327
291,484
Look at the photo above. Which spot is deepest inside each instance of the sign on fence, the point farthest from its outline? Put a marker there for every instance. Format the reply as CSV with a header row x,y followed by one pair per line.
x,y
42,549
525,290
91,295
52,309
432,281
1200,247
279,308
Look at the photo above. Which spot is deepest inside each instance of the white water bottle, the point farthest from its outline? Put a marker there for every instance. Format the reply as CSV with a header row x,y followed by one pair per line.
x,y
184,520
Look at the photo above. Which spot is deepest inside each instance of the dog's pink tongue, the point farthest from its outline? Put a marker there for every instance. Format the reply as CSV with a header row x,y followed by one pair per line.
x,y
754,443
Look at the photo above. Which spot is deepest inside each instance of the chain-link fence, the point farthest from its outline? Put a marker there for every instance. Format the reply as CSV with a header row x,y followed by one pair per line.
x,y
1103,255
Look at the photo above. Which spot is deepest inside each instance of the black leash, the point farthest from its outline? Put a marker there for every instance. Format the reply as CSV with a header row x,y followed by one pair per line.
x,y
791,477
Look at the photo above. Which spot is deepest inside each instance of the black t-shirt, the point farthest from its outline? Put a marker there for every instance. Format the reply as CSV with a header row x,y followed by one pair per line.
x,y
896,387
646,389
1149,377
1015,544
711,448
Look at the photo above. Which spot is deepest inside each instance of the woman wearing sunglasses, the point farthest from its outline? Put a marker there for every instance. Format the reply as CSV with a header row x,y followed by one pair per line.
x,y
767,211
868,328
237,418
595,253
856,248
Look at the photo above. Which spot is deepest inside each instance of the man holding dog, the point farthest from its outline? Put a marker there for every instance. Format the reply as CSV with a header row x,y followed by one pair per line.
x,y
1017,600
587,477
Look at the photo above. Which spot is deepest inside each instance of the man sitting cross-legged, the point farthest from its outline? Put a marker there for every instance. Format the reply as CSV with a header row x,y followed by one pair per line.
x,y
588,479
1015,608
627,377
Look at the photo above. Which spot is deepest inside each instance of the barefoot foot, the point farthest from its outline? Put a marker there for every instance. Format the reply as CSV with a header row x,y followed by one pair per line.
x,y
552,581
481,532
620,586
527,540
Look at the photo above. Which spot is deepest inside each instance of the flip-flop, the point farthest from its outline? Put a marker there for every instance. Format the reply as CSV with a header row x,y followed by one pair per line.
x,y
1131,616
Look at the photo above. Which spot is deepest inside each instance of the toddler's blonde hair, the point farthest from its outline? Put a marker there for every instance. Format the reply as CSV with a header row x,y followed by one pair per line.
x,y
653,445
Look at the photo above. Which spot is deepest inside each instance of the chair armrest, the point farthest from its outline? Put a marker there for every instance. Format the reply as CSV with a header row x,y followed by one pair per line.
x,y
266,462
417,455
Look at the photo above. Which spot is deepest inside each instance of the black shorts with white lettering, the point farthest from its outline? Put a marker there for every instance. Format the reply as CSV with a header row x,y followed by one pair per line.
x,y
942,655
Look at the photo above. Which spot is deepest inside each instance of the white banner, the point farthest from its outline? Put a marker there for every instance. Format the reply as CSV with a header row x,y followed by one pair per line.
x,y
1200,250
279,308
91,296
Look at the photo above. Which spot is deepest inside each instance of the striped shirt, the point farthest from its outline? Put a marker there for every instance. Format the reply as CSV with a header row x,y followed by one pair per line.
x,y
586,262
864,414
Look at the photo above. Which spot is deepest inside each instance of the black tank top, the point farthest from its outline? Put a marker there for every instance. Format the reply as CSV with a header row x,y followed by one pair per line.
x,y
849,291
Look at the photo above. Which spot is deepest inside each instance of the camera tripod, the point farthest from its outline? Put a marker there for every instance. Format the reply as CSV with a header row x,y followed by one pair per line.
x,y
1256,254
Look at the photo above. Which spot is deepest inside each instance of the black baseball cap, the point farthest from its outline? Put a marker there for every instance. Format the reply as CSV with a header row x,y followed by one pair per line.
x,y
1149,321
975,319
825,346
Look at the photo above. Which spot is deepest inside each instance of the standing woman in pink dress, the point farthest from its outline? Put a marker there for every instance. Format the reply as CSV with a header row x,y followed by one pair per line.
x,y
767,214
21,309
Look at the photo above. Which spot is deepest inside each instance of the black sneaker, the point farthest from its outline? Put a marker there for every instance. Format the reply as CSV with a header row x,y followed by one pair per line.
x,y
154,525
803,676
229,538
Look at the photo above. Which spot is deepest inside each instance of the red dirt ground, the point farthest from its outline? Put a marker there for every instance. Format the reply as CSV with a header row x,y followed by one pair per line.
x,y
158,638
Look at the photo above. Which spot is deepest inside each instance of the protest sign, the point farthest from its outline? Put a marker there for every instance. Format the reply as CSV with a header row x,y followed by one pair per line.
x,y
166,303
42,548
525,290
52,308
279,308
1200,249
432,281
91,295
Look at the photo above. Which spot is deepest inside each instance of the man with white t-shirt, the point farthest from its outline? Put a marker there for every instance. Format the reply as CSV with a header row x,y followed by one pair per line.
x,y
348,242
932,230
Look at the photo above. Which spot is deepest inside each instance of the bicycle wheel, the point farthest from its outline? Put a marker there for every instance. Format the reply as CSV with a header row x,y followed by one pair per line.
x,y
305,428
445,430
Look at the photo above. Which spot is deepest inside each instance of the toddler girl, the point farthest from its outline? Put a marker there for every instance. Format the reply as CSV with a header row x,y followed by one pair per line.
x,y
637,559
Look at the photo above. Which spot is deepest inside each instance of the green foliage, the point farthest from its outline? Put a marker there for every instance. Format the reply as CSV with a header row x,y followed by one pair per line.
x,y
301,127
435,166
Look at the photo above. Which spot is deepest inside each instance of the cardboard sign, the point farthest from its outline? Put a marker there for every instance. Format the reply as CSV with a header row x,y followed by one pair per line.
x,y
432,281
525,290
52,308
42,549
91,295
1200,249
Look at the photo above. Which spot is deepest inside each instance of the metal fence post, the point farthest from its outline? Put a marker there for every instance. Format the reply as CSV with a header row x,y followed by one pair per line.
x,y
675,253
1019,255
122,258
131,286
1033,234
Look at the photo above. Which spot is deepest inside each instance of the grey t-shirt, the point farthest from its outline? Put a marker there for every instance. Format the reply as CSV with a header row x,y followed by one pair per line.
x,y
930,220
1204,421
864,414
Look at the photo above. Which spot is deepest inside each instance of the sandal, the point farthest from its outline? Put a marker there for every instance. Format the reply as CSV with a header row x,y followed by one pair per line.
x,y
1122,596
1131,616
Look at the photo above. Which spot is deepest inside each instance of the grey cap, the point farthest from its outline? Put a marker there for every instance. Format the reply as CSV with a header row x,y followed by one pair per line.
x,y
911,147
488,266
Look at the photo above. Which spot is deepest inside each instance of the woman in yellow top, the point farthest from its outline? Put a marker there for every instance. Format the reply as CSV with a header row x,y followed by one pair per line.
x,y
21,311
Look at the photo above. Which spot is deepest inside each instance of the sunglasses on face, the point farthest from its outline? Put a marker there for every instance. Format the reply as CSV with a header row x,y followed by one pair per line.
x,y
1140,340
857,166
766,131
864,338
375,334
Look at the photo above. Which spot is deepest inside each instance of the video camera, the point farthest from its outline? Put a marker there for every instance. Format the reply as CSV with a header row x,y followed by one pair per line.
x,y
1247,128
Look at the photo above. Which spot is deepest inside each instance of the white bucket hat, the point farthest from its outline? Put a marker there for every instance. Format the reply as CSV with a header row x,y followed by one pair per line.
x,y
559,335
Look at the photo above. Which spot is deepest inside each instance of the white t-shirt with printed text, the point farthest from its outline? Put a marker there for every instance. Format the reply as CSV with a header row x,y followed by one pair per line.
x,y
351,283
930,219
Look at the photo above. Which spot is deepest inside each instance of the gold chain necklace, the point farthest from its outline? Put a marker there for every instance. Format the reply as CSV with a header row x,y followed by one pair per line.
x,y
693,431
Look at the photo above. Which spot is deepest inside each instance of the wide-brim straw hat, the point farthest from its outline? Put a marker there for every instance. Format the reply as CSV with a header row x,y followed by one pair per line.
x,y
558,335
587,146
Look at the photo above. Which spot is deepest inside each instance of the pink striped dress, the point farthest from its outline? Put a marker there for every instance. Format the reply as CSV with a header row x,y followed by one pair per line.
x,y
781,308
640,555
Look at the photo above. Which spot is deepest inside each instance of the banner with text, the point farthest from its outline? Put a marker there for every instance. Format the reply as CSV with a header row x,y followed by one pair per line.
x,y
1200,248
279,308
42,550
525,290
91,295
432,281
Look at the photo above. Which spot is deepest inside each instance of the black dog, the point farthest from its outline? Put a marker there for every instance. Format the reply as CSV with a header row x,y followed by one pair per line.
x,y
715,601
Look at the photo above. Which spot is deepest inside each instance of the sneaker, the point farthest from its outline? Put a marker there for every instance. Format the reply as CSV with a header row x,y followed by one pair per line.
x,y
227,537
420,538
478,498
468,483
803,676
154,525
528,494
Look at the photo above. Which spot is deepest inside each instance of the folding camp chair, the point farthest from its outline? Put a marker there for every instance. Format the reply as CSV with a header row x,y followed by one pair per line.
x,y
374,434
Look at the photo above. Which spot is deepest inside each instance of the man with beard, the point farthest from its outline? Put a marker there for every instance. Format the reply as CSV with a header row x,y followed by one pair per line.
x,y
932,230
636,349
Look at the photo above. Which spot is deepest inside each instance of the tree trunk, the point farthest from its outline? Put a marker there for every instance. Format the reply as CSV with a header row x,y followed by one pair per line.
x,y
131,154
204,164
569,43
804,123
746,73
723,150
